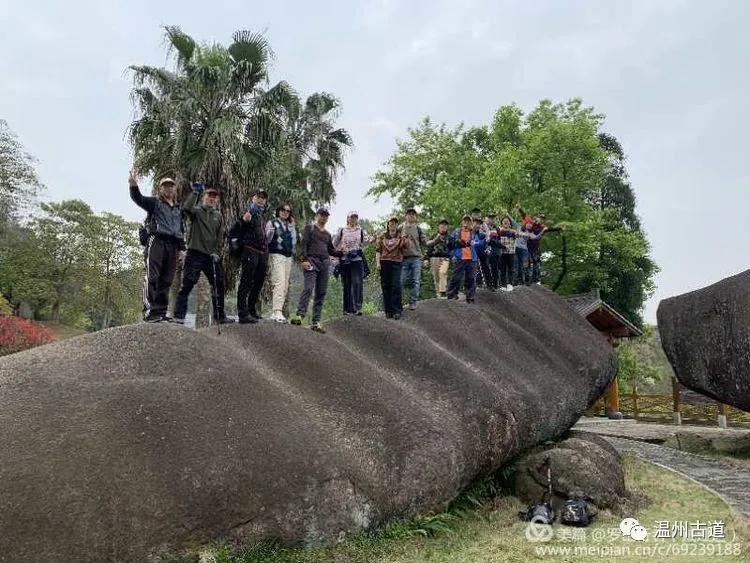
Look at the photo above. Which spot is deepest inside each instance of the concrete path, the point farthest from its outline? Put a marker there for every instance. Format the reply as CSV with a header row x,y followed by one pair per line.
x,y
725,480
651,431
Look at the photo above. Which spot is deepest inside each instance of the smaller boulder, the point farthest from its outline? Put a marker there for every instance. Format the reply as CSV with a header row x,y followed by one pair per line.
x,y
696,443
583,466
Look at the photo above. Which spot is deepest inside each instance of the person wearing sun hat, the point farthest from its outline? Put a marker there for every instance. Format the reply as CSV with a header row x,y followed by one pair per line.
x,y
350,240
165,238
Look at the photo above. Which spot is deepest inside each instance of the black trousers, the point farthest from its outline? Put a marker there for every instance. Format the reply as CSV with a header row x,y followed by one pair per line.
x,y
195,263
463,270
507,269
494,270
161,262
253,275
316,286
390,283
352,275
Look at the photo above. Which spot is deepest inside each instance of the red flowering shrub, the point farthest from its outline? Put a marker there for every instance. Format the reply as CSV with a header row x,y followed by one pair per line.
x,y
18,334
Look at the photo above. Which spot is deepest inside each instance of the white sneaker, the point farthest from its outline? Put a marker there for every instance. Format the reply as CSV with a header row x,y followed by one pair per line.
x,y
279,318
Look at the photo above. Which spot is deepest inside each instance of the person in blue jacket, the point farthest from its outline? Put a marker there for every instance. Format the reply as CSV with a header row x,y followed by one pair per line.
x,y
465,244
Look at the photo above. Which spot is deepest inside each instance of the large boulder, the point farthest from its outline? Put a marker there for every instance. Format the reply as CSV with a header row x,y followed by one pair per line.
x,y
706,336
144,441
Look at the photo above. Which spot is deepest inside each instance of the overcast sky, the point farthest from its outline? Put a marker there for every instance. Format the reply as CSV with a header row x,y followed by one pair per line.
x,y
671,76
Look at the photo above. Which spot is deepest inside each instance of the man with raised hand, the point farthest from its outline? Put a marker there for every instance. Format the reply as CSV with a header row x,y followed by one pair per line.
x,y
248,237
163,241
202,206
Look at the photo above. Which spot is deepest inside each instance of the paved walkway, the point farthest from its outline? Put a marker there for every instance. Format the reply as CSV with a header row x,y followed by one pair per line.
x,y
651,431
723,479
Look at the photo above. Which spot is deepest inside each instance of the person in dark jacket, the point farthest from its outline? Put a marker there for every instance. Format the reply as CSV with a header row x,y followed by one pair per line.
x,y
439,254
465,243
202,206
166,239
316,248
248,237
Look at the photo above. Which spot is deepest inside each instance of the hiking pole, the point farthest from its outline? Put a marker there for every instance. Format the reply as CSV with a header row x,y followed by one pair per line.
x,y
215,292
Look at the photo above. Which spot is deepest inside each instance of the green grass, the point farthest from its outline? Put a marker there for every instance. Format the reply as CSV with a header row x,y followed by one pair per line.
x,y
482,526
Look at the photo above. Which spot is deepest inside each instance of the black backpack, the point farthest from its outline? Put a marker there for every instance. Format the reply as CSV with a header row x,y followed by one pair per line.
x,y
541,512
575,513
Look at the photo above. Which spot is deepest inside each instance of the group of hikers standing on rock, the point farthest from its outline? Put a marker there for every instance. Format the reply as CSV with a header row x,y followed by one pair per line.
x,y
482,251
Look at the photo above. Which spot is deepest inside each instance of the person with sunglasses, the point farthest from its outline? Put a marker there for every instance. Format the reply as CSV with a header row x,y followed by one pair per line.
x,y
202,207
281,234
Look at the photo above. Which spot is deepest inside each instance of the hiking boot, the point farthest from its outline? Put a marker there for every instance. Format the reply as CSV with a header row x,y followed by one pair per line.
x,y
412,306
225,321
154,318
317,328
396,317
443,295
256,315
248,320
358,313
296,320
178,320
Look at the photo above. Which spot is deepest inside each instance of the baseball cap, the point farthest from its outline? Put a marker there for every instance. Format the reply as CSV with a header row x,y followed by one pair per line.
x,y
166,181
322,211
411,210
352,214
211,191
261,193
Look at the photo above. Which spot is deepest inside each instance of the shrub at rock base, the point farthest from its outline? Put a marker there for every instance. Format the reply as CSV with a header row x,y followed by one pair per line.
x,y
18,334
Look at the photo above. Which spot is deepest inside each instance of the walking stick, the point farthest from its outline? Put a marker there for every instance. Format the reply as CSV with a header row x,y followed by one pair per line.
x,y
215,292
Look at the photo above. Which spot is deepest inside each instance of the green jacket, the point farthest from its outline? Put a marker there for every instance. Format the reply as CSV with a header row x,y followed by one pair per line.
x,y
205,225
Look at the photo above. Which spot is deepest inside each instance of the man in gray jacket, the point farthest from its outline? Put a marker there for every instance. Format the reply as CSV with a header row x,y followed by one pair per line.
x,y
166,239
411,269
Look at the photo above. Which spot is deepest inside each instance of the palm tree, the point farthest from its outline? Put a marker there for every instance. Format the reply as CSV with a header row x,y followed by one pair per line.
x,y
213,118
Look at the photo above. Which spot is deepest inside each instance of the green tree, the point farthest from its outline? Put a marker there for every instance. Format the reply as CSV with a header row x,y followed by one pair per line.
x,y
19,183
554,160
211,118
74,267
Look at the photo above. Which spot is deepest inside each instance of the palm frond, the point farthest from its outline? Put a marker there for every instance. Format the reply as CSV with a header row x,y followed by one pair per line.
x,y
250,47
181,43
321,103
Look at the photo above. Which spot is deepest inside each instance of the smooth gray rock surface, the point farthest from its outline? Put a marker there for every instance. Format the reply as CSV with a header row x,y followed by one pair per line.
x,y
706,336
145,440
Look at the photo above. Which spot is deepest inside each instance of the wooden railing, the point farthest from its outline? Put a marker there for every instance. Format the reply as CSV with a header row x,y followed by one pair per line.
x,y
693,408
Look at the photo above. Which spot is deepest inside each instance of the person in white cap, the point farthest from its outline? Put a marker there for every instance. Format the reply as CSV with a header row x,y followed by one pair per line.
x,y
164,239
350,241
